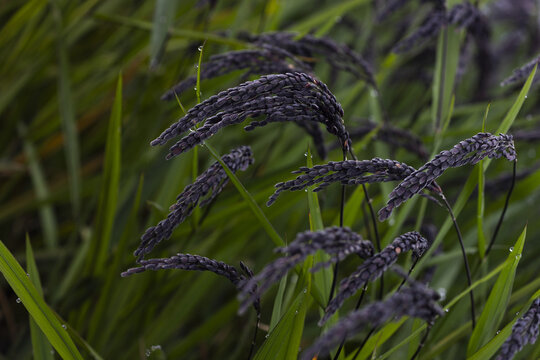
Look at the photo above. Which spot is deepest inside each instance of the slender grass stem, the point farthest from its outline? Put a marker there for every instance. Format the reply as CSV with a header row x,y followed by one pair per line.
x,y
253,341
363,343
341,216
421,345
499,223
408,274
355,308
467,269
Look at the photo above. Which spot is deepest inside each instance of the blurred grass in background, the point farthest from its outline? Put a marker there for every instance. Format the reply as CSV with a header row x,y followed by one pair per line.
x,y
79,104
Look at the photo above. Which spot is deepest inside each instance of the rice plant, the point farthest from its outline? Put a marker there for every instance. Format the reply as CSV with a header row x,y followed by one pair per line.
x,y
280,146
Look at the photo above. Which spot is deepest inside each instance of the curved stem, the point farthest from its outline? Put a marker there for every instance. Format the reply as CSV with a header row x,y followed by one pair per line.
x,y
341,215
467,269
375,228
363,343
408,274
421,345
499,223
254,336
356,308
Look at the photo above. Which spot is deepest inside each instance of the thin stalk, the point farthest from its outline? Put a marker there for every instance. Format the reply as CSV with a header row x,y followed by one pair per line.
x,y
421,345
467,269
408,274
356,308
363,343
254,336
504,210
375,229
341,215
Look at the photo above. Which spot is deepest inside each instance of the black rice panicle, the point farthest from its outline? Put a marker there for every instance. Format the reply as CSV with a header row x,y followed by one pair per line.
x,y
525,331
205,188
416,301
469,151
522,73
348,172
374,267
283,97
307,46
463,15
266,60
430,28
336,241
394,136
198,263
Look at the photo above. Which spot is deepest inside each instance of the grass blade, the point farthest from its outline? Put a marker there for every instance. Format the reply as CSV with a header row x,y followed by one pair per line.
x,y
46,211
267,226
36,307
67,116
163,18
488,350
109,190
481,202
495,306
40,345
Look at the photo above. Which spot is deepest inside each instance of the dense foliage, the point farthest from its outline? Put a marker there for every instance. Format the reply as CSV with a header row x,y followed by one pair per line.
x,y
144,136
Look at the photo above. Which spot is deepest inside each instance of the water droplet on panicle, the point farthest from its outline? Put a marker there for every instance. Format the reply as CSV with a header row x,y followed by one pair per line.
x,y
511,249
18,301
64,326
200,48
498,332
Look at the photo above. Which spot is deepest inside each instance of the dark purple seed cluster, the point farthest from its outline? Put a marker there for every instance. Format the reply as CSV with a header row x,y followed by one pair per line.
x,y
205,188
339,56
295,97
464,15
394,136
389,8
198,263
525,331
430,28
416,301
522,73
348,172
336,241
267,60
374,267
469,151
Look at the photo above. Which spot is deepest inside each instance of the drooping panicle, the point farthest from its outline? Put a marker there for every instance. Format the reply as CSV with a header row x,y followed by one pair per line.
x,y
283,97
463,15
469,151
198,263
525,331
307,46
522,73
394,136
430,28
336,241
416,301
205,188
266,60
374,267
348,172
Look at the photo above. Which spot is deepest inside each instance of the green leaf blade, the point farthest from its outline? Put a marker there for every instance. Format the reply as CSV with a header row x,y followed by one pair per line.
x,y
36,306
498,299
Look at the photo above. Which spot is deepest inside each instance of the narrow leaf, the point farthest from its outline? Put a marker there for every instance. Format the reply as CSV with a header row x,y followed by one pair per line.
x,y
498,299
36,307
40,345
109,190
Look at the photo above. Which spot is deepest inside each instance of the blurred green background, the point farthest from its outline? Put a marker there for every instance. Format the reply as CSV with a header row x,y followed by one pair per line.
x,y
84,183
